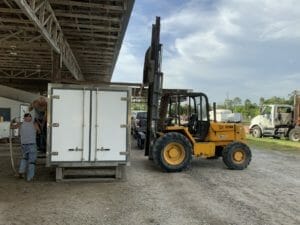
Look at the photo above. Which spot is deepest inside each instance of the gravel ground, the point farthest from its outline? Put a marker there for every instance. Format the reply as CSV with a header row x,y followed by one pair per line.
x,y
268,192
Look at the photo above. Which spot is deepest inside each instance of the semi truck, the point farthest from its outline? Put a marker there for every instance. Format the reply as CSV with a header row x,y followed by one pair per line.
x,y
278,120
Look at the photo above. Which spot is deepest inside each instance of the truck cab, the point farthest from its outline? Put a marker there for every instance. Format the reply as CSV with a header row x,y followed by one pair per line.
x,y
274,120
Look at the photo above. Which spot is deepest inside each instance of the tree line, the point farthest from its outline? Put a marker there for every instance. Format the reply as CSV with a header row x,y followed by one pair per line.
x,y
250,109
247,108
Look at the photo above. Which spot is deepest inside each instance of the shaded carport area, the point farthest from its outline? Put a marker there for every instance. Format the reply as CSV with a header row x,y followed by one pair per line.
x,y
208,193
44,41
61,41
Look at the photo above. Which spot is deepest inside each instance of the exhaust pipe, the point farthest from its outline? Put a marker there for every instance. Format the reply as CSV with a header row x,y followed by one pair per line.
x,y
215,112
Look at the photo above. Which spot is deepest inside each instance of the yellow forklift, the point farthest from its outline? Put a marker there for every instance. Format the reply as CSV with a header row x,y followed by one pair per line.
x,y
171,140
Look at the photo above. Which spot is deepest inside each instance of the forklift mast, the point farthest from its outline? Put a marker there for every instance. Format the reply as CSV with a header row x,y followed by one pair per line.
x,y
172,144
153,79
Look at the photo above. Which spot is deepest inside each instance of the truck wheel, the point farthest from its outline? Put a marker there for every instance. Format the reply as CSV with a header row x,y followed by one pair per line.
x,y
294,135
172,152
256,132
236,156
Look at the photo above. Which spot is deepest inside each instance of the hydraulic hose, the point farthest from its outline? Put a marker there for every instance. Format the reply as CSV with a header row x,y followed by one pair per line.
x,y
11,153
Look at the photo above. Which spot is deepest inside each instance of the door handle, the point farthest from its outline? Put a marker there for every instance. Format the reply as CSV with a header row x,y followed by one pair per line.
x,y
75,149
103,149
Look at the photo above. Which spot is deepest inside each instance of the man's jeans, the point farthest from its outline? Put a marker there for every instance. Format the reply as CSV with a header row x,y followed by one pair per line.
x,y
28,160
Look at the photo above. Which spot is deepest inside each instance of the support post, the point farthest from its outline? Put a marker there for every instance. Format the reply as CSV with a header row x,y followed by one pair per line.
x,y
56,68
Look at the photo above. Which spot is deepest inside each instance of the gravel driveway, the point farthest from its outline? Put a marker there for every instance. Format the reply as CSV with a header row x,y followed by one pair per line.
x,y
267,192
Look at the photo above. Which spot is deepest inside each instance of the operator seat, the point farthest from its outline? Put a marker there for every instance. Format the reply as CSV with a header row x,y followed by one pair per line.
x,y
192,124
197,128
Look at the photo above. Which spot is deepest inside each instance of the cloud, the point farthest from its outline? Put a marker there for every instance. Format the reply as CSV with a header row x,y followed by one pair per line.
x,y
248,49
281,30
191,49
127,69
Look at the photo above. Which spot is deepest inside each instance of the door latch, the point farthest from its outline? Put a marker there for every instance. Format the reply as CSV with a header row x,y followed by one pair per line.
x,y
103,149
75,149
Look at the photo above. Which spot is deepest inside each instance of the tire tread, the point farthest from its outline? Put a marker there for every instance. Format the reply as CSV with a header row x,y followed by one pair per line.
x,y
162,142
227,155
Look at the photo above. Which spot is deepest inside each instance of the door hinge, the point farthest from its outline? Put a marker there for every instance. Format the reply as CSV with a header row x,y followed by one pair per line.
x,y
124,126
53,153
54,125
125,99
55,96
124,153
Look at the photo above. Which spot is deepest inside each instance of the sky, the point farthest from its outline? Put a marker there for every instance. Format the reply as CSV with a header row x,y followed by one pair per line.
x,y
224,48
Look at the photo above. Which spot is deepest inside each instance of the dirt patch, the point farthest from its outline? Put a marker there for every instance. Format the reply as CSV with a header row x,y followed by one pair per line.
x,y
267,192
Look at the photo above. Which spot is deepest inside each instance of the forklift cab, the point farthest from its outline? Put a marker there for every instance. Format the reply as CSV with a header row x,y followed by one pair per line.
x,y
190,110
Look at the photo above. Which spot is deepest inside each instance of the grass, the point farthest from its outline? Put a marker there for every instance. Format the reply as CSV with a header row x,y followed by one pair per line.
x,y
273,144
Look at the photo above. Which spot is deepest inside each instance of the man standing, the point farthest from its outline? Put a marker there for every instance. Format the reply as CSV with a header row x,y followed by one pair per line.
x,y
28,131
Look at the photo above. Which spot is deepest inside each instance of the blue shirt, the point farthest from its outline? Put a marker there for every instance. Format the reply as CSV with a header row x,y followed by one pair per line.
x,y
28,133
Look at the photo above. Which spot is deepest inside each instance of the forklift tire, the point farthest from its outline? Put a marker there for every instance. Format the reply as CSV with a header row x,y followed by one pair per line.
x,y
172,152
150,157
294,134
236,156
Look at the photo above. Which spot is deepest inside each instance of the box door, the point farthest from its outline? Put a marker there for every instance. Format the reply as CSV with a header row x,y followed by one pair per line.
x,y
109,131
70,125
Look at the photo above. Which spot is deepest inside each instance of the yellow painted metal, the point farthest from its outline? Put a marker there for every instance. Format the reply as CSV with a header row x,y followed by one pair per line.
x,y
240,132
204,149
183,130
219,134
174,153
239,156
223,132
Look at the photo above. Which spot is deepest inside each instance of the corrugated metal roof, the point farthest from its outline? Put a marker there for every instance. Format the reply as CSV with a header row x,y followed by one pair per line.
x,y
88,35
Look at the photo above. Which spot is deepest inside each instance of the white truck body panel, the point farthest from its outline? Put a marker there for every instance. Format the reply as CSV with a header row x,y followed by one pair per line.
x,y
225,115
4,129
107,132
71,113
88,126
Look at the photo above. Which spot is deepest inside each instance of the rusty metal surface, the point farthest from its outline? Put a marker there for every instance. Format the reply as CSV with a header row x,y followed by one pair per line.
x,y
297,109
